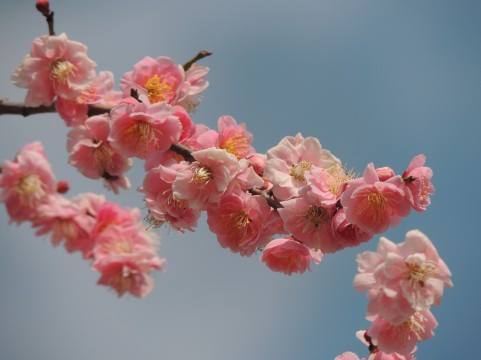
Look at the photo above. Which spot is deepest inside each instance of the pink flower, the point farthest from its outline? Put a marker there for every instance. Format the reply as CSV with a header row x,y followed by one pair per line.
x,y
345,234
418,181
347,356
234,138
258,162
156,80
139,129
66,221
402,279
201,138
91,152
376,354
194,84
124,252
242,222
385,173
374,205
289,163
289,256
56,66
326,185
99,91
309,221
206,179
402,338
26,182
163,205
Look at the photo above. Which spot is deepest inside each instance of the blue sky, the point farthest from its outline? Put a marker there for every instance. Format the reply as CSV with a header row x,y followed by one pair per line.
x,y
374,80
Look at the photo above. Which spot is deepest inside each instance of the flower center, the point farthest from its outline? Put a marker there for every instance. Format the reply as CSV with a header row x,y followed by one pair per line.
x,y
317,216
119,247
237,145
298,171
141,135
377,201
60,71
420,272
338,178
30,187
158,89
103,154
240,220
202,175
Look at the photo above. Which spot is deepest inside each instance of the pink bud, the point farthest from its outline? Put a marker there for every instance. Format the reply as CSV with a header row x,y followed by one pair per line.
x,y
43,6
63,186
385,173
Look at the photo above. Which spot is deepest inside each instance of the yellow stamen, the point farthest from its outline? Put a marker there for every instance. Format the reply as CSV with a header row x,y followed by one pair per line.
x,y
420,272
29,188
240,220
317,215
415,324
236,145
103,154
298,171
61,70
202,175
158,89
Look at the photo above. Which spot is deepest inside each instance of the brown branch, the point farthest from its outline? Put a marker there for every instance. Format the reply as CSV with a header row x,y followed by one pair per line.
x,y
269,196
12,108
200,55
50,22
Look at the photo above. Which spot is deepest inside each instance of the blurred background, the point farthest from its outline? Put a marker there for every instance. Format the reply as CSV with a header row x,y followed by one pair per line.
x,y
374,80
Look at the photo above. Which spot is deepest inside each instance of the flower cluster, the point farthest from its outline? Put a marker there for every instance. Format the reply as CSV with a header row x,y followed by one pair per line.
x,y
112,238
298,190
402,282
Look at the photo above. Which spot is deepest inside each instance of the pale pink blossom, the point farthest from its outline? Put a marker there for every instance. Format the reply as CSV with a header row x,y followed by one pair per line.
x,y
258,162
139,129
385,173
326,184
56,66
418,181
67,222
163,206
289,256
289,163
110,215
99,92
202,138
402,279
206,179
194,84
26,182
347,356
242,222
376,354
402,338
234,138
375,205
91,151
309,222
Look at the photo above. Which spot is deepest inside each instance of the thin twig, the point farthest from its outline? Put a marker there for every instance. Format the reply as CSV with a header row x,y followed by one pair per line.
x,y
200,55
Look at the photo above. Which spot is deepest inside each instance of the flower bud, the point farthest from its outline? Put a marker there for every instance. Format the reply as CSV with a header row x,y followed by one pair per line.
x,y
43,6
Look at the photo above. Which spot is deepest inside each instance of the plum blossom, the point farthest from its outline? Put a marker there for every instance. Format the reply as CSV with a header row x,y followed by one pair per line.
x,y
162,80
402,279
163,206
289,163
206,179
55,67
344,233
139,129
124,252
99,92
26,182
348,356
194,84
234,138
91,151
67,221
375,205
418,181
309,221
242,222
289,256
402,338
